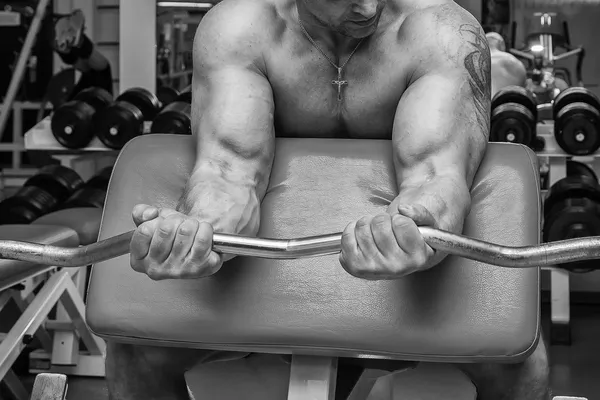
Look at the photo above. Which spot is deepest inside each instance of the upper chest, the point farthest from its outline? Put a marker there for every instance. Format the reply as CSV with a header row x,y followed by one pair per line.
x,y
306,87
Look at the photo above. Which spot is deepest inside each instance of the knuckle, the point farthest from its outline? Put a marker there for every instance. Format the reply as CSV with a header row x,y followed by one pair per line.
x,y
165,228
364,221
380,219
203,239
146,229
400,220
348,232
188,227
164,212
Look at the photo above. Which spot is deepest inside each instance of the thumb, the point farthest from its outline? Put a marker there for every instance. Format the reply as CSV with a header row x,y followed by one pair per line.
x,y
143,213
418,213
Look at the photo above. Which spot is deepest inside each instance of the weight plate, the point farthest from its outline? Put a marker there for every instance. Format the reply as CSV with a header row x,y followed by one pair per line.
x,y
577,128
512,123
118,124
101,179
571,187
575,94
144,100
71,124
573,218
18,216
175,119
28,202
58,180
167,95
96,97
576,168
86,197
516,94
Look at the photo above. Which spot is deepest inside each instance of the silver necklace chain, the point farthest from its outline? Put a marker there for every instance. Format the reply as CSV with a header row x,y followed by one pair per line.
x,y
325,54
339,82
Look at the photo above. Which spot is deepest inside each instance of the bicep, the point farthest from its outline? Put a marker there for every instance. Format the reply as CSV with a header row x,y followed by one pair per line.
x,y
233,107
232,111
441,127
442,120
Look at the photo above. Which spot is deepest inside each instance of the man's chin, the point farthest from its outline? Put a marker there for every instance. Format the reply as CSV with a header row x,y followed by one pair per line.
x,y
358,32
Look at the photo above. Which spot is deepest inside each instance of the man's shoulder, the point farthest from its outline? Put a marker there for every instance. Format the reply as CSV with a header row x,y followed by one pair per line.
x,y
236,31
240,18
430,19
441,30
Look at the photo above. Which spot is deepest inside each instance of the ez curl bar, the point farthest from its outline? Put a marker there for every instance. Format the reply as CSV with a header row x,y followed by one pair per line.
x,y
513,257
545,254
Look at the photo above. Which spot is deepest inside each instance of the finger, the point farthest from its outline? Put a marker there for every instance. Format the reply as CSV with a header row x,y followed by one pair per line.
x,y
202,246
364,239
184,240
383,235
211,265
407,234
162,241
143,213
350,253
169,212
141,240
419,214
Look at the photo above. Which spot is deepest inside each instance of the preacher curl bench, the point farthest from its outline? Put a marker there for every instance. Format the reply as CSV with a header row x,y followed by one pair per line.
x,y
462,311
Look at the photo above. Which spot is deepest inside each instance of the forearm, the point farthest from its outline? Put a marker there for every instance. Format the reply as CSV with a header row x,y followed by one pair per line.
x,y
230,205
446,197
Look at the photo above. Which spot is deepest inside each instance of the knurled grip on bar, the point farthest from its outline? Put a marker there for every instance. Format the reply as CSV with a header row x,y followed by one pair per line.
x,y
513,257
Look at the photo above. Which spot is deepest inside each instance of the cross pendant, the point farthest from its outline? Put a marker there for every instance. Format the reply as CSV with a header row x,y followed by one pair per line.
x,y
339,82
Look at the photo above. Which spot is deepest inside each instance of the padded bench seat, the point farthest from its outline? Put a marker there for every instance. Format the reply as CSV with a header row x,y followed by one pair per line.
x,y
13,272
461,311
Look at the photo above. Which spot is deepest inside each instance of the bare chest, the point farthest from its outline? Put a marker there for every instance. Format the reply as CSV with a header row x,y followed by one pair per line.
x,y
312,99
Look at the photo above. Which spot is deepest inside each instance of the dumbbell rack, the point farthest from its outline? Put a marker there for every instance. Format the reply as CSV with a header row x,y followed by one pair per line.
x,y
65,356
560,328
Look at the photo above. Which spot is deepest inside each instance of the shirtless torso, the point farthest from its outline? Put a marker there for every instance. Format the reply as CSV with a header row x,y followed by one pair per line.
x,y
381,69
306,101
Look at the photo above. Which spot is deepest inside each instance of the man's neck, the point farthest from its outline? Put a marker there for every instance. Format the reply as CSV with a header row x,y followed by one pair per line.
x,y
331,40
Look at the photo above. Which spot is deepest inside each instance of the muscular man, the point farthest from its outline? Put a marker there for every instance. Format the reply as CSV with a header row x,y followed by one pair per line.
x,y
416,72
507,70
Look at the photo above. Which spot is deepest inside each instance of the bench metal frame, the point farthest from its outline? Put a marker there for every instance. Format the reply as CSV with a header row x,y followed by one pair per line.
x,y
62,289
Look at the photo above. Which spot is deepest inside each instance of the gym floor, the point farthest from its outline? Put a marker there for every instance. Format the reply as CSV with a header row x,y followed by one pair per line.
x,y
574,369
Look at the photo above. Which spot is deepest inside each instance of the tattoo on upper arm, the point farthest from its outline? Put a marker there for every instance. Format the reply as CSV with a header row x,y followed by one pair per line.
x,y
478,65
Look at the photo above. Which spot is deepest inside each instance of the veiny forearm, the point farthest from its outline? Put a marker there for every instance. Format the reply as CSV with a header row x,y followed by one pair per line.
x,y
230,205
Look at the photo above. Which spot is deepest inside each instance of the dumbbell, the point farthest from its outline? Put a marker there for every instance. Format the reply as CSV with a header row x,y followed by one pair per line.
x,y
123,120
577,121
514,117
71,123
40,195
92,193
175,118
572,210
167,95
